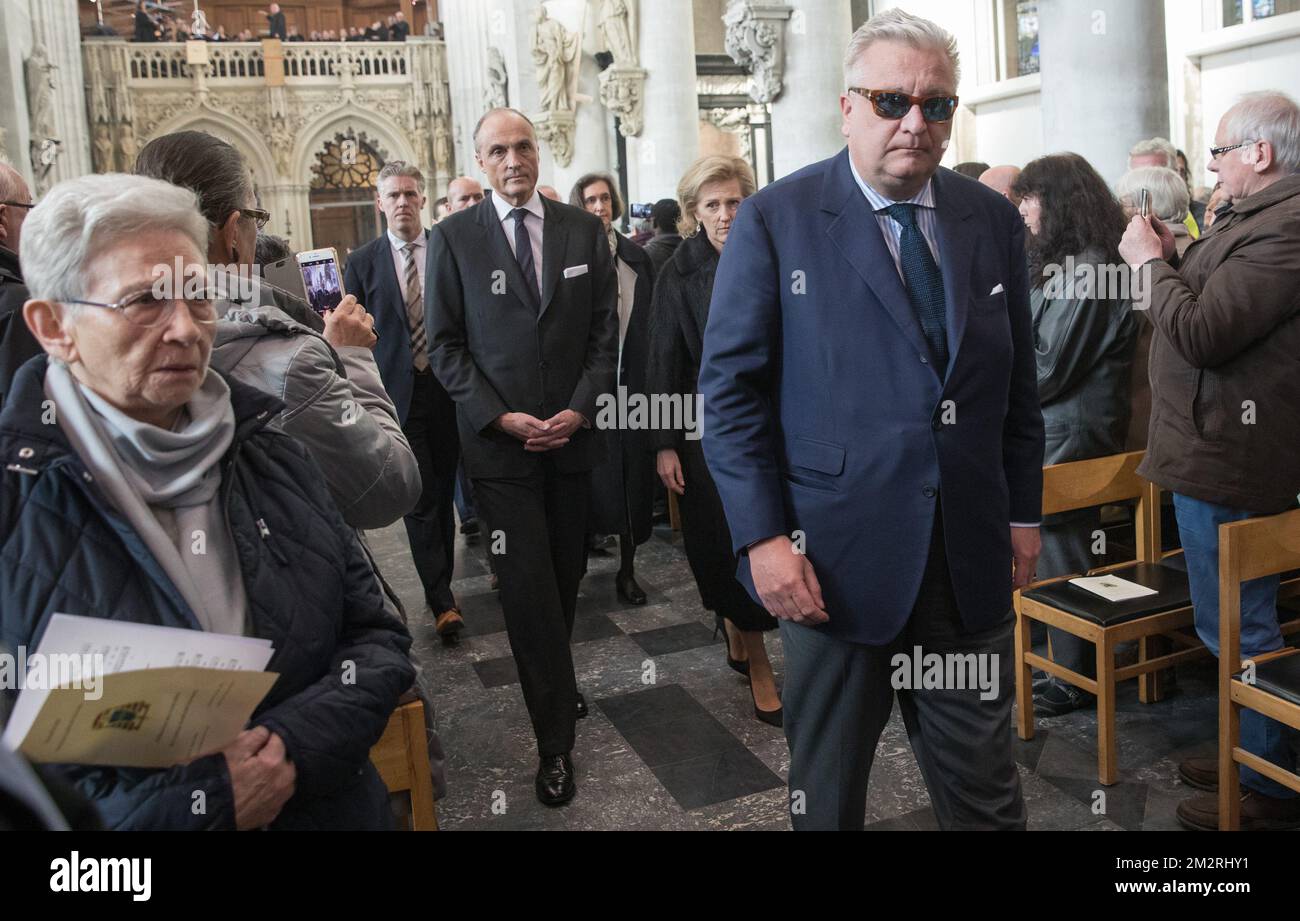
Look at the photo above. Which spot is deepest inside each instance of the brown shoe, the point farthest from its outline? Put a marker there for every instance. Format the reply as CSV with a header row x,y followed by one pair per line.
x,y
448,624
1258,812
1201,773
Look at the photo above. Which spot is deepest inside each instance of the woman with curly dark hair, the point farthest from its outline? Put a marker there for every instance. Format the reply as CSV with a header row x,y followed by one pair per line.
x,y
1084,334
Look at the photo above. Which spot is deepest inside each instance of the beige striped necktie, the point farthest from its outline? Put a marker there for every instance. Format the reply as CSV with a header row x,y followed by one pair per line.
x,y
415,309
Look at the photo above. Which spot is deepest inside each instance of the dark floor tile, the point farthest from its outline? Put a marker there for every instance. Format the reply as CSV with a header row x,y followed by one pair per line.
x,y
589,627
1125,804
716,777
688,737
665,703
663,641
496,673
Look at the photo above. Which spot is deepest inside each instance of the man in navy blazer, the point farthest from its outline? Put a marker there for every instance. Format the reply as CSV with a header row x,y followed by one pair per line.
x,y
871,419
388,275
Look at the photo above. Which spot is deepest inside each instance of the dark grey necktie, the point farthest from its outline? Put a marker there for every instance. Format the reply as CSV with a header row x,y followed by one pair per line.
x,y
924,283
524,253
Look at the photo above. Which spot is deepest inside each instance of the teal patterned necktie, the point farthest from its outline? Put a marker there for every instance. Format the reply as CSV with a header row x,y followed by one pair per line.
x,y
924,283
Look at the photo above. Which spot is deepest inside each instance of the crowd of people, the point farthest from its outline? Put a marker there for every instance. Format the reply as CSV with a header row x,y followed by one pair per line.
x,y
157,25
885,353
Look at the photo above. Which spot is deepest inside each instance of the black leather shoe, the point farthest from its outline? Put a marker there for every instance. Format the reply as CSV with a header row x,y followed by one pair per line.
x,y
1056,698
555,782
628,591
582,707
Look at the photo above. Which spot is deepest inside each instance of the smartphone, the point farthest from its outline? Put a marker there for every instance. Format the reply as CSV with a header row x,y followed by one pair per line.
x,y
321,278
1144,203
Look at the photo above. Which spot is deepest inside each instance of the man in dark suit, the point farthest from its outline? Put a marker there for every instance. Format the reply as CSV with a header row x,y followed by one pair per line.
x,y
399,29
523,333
389,275
871,420
275,24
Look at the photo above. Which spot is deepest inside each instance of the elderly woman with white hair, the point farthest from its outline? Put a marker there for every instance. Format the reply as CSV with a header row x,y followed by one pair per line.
x,y
121,450
1169,199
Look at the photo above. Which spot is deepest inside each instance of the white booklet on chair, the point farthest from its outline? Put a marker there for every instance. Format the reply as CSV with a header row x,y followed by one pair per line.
x,y
1113,588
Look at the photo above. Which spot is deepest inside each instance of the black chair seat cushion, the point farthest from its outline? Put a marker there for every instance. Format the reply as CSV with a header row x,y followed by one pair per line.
x,y
1169,582
1280,677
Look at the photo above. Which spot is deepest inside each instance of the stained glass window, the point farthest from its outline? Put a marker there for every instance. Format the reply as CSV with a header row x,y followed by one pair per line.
x,y
347,162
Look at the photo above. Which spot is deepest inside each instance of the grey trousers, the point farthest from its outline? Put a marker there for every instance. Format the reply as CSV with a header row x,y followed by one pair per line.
x,y
838,696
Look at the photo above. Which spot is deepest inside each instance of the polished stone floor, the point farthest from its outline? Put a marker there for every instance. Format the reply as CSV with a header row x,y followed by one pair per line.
x,y
672,743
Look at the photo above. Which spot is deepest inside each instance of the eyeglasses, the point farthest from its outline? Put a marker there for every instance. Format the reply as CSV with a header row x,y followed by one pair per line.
x,y
147,309
19,204
1217,152
257,214
896,105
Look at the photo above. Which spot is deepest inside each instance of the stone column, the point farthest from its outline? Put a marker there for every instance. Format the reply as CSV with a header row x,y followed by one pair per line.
x,y
1120,46
56,27
670,139
805,116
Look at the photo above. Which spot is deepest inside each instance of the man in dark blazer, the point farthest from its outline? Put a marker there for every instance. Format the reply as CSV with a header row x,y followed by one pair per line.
x,y
389,276
871,420
523,333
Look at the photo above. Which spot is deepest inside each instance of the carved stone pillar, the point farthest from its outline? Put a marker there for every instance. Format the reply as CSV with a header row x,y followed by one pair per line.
x,y
796,56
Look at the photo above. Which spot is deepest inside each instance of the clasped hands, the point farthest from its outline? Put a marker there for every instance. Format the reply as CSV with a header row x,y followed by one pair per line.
x,y
539,435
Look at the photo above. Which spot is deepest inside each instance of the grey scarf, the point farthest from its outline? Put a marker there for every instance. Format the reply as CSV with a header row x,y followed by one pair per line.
x,y
166,484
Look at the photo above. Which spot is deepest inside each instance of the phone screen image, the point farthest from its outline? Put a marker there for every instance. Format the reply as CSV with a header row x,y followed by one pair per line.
x,y
320,279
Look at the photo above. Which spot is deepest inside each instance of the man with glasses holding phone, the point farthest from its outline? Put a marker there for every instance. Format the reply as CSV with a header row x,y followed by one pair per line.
x,y
872,423
17,344
1225,408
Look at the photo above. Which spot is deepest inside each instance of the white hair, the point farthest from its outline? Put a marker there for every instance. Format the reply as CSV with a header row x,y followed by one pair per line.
x,y
80,218
1156,146
1169,195
895,25
1267,116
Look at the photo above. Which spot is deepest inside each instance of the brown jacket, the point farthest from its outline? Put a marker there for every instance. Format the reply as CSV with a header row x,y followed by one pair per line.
x,y
1225,359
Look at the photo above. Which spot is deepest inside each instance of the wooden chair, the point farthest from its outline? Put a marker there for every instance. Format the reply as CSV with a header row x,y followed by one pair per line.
x,y
1057,603
402,758
1250,550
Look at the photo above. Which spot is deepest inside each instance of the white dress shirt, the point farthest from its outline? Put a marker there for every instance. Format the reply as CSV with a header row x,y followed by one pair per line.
x,y
399,261
536,217
927,218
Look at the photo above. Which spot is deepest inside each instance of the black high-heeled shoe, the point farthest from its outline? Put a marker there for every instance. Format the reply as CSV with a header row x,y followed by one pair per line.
x,y
739,665
771,717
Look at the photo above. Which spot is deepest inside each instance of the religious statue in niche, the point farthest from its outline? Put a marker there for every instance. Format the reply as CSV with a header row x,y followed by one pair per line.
x,y
127,145
105,161
616,29
555,52
497,95
39,75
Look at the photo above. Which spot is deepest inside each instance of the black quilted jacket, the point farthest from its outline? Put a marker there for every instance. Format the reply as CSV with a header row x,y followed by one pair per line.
x,y
310,592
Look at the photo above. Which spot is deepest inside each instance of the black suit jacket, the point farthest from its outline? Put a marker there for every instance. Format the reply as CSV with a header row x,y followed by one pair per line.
x,y
496,353
371,276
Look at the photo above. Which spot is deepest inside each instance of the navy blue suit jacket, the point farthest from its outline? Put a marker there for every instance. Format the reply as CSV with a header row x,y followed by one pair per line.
x,y
372,278
824,413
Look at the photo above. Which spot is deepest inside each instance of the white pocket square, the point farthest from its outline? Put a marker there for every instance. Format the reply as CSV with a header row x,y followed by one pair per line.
x,y
997,290
574,271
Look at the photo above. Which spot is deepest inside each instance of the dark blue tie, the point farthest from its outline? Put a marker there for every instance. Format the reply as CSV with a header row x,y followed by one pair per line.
x,y
524,254
924,283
